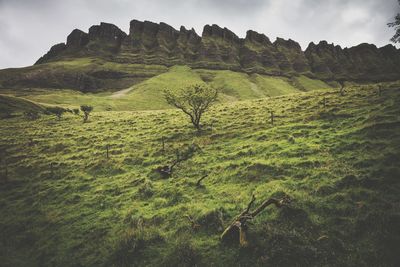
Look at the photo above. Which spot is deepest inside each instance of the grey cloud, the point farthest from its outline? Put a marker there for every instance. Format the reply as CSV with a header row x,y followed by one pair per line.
x,y
29,28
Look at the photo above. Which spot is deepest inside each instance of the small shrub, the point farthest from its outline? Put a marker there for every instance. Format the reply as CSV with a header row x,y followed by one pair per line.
x,y
86,111
146,190
76,111
32,115
58,111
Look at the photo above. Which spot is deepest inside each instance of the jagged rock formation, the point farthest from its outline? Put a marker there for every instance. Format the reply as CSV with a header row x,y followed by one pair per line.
x,y
220,48
103,40
362,62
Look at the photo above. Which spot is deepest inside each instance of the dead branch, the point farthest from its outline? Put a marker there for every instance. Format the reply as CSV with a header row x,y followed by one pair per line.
x,y
253,198
193,223
239,224
198,184
166,171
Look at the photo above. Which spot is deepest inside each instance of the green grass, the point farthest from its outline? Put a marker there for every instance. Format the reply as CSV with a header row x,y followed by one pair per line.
x,y
312,84
148,93
65,204
275,86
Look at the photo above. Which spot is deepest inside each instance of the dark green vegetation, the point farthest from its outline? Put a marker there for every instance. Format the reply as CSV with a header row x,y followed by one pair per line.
x,y
64,202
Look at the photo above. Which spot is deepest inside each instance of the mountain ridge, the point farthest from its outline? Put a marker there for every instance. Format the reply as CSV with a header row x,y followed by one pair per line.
x,y
219,48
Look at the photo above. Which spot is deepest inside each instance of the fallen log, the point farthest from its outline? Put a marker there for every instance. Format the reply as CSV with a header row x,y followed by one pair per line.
x,y
239,224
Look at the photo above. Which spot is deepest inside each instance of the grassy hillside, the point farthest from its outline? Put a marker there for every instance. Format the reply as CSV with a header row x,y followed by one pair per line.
x,y
82,74
64,203
147,94
15,105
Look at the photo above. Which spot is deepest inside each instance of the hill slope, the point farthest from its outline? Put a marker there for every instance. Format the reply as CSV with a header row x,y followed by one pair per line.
x,y
148,94
65,203
11,105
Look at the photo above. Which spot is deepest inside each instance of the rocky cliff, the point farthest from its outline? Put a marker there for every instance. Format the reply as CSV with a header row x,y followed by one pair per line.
x,y
362,62
219,48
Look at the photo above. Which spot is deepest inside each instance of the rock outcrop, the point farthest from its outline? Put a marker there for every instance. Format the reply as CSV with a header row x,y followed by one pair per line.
x,y
220,48
54,52
77,39
105,36
362,62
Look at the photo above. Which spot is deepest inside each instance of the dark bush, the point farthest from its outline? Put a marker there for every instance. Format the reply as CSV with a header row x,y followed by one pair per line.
x,y
58,111
32,115
146,190
183,254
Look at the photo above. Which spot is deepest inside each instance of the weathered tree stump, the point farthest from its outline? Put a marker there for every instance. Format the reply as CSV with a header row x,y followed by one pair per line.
x,y
165,171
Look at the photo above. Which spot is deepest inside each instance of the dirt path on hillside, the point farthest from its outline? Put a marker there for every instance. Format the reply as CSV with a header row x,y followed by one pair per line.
x,y
256,90
121,93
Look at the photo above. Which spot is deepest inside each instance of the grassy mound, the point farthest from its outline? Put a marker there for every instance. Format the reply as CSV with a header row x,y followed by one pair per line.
x,y
82,74
65,203
10,105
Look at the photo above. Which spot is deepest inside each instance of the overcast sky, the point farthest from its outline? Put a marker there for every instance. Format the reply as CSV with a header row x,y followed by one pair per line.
x,y
28,28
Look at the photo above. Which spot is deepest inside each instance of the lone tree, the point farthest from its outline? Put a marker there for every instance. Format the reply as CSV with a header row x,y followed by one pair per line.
x,y
193,100
396,25
86,111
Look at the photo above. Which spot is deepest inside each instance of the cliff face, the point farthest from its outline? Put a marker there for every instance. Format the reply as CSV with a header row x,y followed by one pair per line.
x,y
220,48
103,40
362,62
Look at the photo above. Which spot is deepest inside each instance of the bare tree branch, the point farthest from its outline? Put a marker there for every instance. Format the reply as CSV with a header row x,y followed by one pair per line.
x,y
240,221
